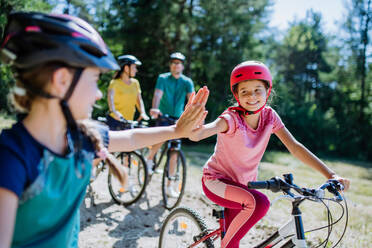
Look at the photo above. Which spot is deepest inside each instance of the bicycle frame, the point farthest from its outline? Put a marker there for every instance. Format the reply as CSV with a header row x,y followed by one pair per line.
x,y
168,147
290,235
216,233
294,226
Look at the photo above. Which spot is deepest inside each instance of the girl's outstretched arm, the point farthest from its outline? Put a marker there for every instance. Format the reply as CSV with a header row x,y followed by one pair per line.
x,y
207,130
133,139
8,209
302,153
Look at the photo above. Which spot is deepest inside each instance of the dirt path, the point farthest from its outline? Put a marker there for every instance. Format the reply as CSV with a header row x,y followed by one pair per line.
x,y
106,224
138,226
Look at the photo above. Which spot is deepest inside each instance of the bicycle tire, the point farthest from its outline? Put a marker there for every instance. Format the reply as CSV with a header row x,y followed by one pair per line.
x,y
176,181
137,180
181,227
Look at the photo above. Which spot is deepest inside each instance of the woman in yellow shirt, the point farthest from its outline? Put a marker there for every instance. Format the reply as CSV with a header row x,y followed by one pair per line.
x,y
124,93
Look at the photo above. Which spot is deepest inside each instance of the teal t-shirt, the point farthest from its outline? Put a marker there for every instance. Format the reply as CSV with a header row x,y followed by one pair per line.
x,y
50,190
174,93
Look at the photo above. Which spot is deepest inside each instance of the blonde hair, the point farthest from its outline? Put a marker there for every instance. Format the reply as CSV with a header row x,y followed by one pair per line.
x,y
36,80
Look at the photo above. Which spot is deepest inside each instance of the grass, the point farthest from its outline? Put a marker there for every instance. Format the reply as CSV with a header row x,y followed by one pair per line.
x,y
358,197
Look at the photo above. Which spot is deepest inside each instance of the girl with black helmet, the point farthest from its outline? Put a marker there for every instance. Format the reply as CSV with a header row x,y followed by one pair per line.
x,y
243,133
124,94
46,157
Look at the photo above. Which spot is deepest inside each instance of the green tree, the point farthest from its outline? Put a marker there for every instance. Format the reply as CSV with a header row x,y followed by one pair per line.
x,y
358,26
214,36
303,97
7,6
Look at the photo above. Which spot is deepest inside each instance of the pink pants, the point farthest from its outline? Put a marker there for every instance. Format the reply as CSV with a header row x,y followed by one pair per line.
x,y
243,207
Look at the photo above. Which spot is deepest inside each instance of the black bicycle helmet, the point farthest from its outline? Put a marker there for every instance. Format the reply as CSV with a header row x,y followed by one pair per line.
x,y
128,60
33,38
178,56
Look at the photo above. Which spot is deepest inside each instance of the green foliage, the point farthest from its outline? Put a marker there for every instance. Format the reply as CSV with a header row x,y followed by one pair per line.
x,y
212,35
323,83
6,81
7,6
101,107
318,93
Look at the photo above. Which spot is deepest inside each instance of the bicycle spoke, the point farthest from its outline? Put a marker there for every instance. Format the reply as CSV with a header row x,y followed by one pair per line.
x,y
137,177
182,228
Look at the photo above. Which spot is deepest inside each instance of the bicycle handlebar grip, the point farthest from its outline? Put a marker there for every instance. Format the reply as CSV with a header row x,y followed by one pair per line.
x,y
258,185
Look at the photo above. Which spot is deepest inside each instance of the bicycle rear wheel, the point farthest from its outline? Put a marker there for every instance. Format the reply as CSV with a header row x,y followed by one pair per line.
x,y
182,227
137,179
174,182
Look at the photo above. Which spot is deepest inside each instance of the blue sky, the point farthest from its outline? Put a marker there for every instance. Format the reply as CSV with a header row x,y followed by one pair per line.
x,y
285,11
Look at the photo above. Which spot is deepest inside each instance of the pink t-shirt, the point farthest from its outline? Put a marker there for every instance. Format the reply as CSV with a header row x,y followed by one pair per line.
x,y
239,150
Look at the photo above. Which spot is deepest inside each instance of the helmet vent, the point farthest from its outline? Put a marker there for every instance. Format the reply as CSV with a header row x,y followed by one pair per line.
x,y
257,72
92,50
239,75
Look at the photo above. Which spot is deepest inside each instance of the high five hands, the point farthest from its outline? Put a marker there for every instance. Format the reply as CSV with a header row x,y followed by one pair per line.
x,y
193,116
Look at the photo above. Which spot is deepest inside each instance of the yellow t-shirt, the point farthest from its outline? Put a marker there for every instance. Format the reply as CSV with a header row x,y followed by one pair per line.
x,y
125,97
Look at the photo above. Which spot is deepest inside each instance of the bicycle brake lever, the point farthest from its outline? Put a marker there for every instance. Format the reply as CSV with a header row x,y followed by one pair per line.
x,y
316,194
334,187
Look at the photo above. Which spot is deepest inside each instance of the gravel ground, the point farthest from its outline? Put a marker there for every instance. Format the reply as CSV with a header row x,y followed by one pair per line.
x,y
106,224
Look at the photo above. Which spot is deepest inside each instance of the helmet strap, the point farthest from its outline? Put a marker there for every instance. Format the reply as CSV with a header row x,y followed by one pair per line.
x,y
74,82
72,126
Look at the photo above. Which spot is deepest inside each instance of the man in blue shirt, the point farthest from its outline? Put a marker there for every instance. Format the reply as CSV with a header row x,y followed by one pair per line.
x,y
171,91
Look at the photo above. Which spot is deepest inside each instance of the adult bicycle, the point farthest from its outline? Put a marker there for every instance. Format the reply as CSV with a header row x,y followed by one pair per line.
x,y
137,172
174,177
184,227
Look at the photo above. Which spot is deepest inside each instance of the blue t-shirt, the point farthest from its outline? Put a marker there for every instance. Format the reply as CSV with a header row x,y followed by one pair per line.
x,y
47,185
174,93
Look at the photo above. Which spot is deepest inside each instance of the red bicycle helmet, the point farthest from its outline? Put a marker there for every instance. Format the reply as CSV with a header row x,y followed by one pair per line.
x,y
250,70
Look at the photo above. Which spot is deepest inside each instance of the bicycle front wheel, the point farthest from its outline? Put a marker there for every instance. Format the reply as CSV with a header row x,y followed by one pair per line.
x,y
174,180
137,178
182,227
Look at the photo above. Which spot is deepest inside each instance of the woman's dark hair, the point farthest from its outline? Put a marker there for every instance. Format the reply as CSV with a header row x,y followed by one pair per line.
x,y
117,74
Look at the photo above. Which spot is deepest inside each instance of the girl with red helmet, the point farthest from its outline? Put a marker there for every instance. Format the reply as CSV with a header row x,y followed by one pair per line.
x,y
47,156
243,133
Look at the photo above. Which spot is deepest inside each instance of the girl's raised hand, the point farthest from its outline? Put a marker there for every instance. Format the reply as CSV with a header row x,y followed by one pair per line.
x,y
194,113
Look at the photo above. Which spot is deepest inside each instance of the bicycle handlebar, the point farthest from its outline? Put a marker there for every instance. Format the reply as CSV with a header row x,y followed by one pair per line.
x,y
276,184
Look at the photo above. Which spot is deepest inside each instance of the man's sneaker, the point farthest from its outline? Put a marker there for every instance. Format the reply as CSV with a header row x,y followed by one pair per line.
x,y
171,192
150,165
158,171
